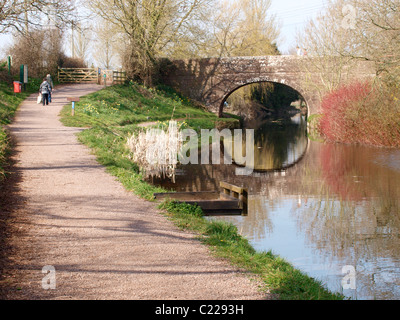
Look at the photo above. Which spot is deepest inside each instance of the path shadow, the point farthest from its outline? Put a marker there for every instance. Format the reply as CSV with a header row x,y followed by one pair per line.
x,y
11,203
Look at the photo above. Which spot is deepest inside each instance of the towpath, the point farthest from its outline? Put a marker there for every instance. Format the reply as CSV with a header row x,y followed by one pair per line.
x,y
102,241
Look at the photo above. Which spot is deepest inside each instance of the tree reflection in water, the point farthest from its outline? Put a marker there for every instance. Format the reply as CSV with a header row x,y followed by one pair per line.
x,y
333,205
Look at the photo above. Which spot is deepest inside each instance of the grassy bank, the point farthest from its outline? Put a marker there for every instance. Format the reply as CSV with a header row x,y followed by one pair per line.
x,y
125,106
113,114
9,103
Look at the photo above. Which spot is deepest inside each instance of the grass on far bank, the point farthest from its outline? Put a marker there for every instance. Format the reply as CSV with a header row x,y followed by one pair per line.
x,y
126,105
112,114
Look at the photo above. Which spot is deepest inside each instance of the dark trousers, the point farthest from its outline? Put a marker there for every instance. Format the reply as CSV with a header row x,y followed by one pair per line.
x,y
45,98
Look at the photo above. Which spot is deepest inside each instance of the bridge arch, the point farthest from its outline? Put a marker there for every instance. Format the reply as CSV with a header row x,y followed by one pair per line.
x,y
265,79
210,80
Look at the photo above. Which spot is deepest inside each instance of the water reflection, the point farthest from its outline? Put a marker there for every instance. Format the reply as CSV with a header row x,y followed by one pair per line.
x,y
343,210
338,206
280,144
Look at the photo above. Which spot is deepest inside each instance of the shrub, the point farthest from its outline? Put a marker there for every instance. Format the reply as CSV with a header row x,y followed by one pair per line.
x,y
39,49
362,114
68,62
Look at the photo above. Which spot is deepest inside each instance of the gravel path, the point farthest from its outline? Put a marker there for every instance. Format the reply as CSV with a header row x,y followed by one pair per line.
x,y
103,242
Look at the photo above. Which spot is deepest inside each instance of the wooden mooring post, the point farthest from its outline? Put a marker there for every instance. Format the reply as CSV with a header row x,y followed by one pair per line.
x,y
232,191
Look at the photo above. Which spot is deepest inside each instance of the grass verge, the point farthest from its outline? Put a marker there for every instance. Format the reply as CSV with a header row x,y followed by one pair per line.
x,y
107,135
9,102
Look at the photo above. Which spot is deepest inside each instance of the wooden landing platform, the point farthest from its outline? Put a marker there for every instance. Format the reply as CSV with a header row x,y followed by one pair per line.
x,y
231,200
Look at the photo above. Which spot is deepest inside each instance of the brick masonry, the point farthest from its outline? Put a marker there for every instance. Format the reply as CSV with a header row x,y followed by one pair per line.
x,y
211,80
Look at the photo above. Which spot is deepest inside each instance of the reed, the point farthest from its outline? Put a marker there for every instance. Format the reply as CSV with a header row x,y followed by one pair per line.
x,y
156,150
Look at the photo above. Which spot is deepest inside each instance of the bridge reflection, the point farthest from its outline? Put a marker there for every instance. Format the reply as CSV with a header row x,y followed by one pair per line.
x,y
278,147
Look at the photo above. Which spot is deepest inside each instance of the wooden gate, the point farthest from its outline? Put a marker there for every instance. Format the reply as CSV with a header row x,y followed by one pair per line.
x,y
78,75
119,77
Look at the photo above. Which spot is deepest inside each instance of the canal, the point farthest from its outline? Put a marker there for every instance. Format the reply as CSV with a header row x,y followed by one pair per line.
x,y
331,210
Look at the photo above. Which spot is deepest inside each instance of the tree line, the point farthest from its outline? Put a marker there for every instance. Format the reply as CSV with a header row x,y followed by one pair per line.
x,y
354,110
137,33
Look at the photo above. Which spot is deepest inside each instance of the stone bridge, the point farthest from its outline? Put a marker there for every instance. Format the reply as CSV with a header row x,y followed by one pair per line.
x,y
211,80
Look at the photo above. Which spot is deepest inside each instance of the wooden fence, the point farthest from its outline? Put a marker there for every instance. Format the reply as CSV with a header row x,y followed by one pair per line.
x,y
90,75
119,77
78,75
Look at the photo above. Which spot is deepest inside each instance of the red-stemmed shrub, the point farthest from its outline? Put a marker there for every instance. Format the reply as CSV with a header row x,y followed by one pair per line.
x,y
361,114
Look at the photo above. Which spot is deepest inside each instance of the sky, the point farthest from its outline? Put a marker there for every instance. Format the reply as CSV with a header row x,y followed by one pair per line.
x,y
291,14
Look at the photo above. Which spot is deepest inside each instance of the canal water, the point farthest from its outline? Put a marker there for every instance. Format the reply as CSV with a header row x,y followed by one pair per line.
x,y
331,210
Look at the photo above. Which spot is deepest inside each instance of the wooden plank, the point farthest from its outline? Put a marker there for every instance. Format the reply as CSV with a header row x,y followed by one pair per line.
x,y
210,205
227,202
203,195
231,187
73,99
224,213
227,197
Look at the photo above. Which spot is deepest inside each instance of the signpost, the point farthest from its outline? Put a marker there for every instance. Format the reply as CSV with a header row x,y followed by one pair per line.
x,y
23,75
73,100
9,62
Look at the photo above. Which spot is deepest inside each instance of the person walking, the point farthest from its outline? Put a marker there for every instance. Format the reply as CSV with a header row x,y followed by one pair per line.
x,y
50,82
45,90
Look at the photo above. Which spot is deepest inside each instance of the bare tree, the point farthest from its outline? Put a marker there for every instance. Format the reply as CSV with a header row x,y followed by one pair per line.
x,y
148,27
242,28
40,49
354,30
105,45
82,38
19,15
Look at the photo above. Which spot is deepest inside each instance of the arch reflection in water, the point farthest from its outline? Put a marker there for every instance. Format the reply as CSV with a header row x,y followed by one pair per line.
x,y
278,145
